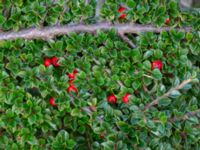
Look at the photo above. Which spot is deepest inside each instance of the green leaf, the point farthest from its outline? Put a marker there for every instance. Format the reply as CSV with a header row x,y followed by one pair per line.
x,y
123,126
32,119
136,84
164,102
108,145
136,55
62,135
175,94
70,144
158,54
163,119
147,54
82,75
193,120
2,19
157,74
76,112
130,3
109,44
147,64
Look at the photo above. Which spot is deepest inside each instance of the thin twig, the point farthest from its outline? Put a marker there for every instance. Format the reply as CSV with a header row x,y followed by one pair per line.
x,y
145,89
88,140
2,111
155,102
197,126
51,31
186,116
87,2
148,76
99,4
120,83
181,118
127,40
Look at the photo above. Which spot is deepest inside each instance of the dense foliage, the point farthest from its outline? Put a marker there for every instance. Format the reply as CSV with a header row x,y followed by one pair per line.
x,y
103,65
16,14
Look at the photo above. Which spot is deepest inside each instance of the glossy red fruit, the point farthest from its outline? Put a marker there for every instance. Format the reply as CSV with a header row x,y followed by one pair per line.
x,y
47,62
54,61
112,99
167,21
52,101
121,9
75,71
71,76
156,64
122,16
72,88
125,98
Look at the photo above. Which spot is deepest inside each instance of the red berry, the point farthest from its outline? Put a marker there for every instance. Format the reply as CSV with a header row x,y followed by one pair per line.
x,y
167,21
125,98
71,76
122,16
72,88
52,101
47,62
156,64
75,71
54,61
121,9
112,99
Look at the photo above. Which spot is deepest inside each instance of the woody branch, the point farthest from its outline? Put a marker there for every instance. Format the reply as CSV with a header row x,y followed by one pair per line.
x,y
52,31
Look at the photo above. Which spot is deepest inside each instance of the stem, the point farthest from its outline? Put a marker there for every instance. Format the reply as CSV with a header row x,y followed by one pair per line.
x,y
155,102
51,31
145,75
186,116
87,2
120,83
88,140
99,4
127,40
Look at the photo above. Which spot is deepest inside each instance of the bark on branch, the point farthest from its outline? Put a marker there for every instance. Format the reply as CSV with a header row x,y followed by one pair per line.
x,y
186,116
127,40
155,102
99,4
51,31
181,118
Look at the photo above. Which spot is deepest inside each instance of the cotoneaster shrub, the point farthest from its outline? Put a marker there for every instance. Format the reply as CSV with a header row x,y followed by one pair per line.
x,y
88,91
102,60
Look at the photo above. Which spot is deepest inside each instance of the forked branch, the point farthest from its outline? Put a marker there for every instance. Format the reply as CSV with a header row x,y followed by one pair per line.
x,y
186,116
155,102
51,31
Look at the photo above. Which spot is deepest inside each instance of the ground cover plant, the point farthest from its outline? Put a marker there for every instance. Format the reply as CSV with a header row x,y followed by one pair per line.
x,y
108,75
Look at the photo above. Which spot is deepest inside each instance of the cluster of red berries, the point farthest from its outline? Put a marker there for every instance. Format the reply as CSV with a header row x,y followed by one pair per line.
x,y
54,61
112,99
47,62
71,77
71,87
121,11
51,61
